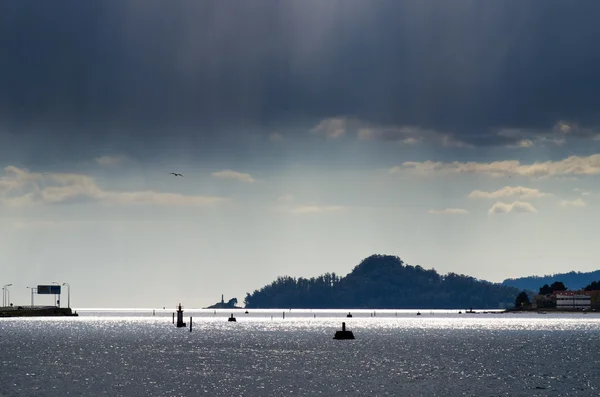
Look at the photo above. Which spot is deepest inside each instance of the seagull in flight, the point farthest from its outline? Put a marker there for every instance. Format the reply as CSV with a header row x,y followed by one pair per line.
x,y
176,174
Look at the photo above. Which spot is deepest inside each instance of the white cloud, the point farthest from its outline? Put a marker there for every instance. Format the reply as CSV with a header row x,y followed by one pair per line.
x,y
573,165
516,206
28,188
411,141
409,135
582,192
275,137
334,127
107,161
565,128
522,143
238,176
316,209
508,191
573,203
449,211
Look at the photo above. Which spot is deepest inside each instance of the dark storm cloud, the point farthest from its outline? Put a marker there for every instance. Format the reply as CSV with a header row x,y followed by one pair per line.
x,y
462,67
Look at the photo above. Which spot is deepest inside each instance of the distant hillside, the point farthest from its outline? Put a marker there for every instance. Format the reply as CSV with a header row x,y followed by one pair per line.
x,y
383,282
572,280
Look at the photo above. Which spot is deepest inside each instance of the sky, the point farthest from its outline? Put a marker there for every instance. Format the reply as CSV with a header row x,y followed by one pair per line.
x,y
462,136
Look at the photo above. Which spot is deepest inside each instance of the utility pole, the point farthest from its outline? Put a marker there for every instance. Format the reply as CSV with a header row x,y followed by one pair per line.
x,y
32,290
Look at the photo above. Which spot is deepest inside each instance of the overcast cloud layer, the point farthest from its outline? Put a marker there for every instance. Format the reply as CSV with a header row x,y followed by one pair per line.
x,y
469,68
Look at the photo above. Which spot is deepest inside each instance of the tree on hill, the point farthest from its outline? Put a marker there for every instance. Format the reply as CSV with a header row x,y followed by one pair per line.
x,y
593,286
549,289
558,286
522,300
382,281
232,302
545,290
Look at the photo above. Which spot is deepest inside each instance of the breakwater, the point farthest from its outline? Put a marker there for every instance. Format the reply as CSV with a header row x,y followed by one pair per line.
x,y
36,311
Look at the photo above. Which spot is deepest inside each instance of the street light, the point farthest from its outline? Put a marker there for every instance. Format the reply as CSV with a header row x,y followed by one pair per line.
x,y
32,289
68,294
5,292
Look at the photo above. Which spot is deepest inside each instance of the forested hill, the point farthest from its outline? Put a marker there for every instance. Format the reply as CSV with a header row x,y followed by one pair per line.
x,y
383,282
572,280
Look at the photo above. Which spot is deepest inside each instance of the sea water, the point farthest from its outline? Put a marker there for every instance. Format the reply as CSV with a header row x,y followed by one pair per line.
x,y
395,353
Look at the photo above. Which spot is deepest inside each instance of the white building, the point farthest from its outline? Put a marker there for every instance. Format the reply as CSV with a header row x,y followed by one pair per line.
x,y
573,301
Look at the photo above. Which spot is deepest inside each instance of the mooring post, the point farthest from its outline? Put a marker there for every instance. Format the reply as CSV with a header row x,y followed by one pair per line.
x,y
343,327
173,317
190,324
284,315
153,312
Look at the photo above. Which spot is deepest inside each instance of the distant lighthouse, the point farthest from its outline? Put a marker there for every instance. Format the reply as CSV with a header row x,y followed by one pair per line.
x,y
180,322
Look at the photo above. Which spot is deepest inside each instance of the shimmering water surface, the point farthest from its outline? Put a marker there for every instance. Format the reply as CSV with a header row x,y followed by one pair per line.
x,y
395,353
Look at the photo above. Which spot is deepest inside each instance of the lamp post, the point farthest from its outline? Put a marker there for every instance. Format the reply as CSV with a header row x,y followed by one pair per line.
x,y
5,292
55,282
68,294
32,289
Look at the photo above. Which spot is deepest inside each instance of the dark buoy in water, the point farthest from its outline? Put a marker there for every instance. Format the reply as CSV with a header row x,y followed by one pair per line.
x,y
231,318
246,312
343,334
349,315
180,322
418,313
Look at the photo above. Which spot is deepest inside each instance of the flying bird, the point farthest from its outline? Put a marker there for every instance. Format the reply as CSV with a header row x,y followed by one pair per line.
x,y
176,174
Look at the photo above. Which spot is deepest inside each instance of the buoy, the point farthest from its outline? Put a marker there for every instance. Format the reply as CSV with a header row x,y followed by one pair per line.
x,y
343,334
349,314
231,318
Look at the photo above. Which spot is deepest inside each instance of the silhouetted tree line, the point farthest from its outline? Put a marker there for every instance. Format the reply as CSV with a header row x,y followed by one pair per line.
x,y
574,280
522,300
593,286
385,282
555,286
